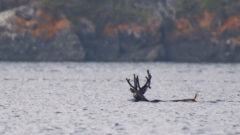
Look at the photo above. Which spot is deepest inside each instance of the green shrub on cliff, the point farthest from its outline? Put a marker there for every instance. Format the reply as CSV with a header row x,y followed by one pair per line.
x,y
9,4
220,7
2,7
110,10
122,13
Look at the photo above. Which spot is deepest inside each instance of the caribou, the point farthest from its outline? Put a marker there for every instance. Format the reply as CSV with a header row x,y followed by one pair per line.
x,y
139,91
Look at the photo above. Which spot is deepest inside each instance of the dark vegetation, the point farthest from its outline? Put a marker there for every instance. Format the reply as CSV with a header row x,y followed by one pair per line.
x,y
125,10
8,4
110,10
222,8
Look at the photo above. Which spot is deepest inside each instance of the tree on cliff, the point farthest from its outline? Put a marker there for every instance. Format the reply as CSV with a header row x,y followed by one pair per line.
x,y
222,8
8,4
111,10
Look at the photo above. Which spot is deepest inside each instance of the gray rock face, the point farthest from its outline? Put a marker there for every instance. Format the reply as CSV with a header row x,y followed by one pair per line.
x,y
29,33
23,45
63,46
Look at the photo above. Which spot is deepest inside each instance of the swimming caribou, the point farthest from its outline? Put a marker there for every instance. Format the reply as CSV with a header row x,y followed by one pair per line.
x,y
139,91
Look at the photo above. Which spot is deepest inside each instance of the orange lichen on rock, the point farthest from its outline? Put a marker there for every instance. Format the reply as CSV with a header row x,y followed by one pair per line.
x,y
51,28
45,25
214,34
235,41
183,28
137,30
63,23
44,17
23,25
206,19
153,27
87,23
112,31
233,23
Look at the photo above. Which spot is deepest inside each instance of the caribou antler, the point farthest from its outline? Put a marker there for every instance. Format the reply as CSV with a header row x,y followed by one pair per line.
x,y
147,84
138,91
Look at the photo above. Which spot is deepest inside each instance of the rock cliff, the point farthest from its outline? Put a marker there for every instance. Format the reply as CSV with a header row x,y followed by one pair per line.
x,y
28,33
153,30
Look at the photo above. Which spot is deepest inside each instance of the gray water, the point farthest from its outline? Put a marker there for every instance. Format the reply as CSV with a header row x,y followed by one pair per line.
x,y
94,98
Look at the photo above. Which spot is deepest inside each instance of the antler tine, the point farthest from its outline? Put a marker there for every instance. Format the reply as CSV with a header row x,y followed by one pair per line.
x,y
149,79
128,80
138,83
148,72
147,84
135,81
149,75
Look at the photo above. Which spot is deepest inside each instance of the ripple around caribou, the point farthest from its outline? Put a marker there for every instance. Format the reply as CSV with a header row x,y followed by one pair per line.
x,y
94,98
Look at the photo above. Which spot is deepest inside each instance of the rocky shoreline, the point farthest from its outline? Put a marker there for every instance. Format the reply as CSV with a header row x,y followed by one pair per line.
x,y
30,32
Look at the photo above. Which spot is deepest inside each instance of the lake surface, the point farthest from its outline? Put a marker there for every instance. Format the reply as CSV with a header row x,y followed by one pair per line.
x,y
94,98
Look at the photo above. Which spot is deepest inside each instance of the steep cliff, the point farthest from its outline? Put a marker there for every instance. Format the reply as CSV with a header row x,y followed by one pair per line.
x,y
120,30
28,33
205,31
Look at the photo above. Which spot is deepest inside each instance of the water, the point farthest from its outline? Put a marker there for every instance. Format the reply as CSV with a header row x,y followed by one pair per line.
x,y
93,98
